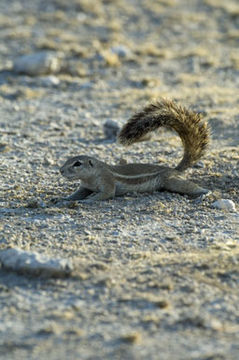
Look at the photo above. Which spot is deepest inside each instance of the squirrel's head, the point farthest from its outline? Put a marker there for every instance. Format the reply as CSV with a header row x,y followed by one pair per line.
x,y
78,167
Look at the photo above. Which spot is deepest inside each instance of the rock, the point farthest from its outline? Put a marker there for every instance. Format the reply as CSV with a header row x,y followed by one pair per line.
x,y
33,263
50,80
224,204
108,58
121,50
3,240
111,129
39,63
199,165
4,147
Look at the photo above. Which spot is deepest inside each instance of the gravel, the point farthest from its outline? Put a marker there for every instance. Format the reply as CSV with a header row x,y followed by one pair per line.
x,y
151,275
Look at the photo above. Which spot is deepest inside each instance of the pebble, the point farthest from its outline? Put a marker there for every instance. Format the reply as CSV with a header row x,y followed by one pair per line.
x,y
121,51
111,129
4,147
33,263
48,81
3,240
199,165
39,63
224,204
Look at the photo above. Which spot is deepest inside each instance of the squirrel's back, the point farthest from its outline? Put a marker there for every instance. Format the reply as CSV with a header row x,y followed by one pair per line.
x,y
193,132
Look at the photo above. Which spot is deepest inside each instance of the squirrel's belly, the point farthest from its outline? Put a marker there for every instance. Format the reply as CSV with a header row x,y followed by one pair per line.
x,y
146,186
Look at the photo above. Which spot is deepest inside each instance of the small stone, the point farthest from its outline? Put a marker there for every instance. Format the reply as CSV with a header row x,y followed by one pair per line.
x,y
111,129
3,240
48,161
39,63
50,80
33,263
4,147
121,50
199,165
224,204
109,58
132,338
162,304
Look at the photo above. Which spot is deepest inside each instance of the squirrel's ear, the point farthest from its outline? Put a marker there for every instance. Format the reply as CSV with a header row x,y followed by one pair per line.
x,y
91,163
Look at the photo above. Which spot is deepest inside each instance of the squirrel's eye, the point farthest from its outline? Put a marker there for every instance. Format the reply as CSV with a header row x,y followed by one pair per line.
x,y
77,163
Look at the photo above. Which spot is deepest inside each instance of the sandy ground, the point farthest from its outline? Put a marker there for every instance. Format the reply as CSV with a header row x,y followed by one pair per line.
x,y
155,275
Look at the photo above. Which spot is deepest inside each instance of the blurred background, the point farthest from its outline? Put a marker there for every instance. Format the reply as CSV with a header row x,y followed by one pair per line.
x,y
183,49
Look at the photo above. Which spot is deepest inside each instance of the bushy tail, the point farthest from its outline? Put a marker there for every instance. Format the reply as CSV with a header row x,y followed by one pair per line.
x,y
193,132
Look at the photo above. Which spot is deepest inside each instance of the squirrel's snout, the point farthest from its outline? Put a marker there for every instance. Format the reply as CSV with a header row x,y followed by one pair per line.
x,y
62,171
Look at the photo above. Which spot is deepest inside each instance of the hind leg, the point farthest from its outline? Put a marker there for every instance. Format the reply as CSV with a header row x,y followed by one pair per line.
x,y
184,187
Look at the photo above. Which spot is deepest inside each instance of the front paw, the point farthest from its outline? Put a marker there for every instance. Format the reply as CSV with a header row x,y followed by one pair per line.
x,y
64,202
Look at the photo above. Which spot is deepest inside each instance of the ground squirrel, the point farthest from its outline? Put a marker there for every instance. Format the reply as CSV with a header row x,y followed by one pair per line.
x,y
100,181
